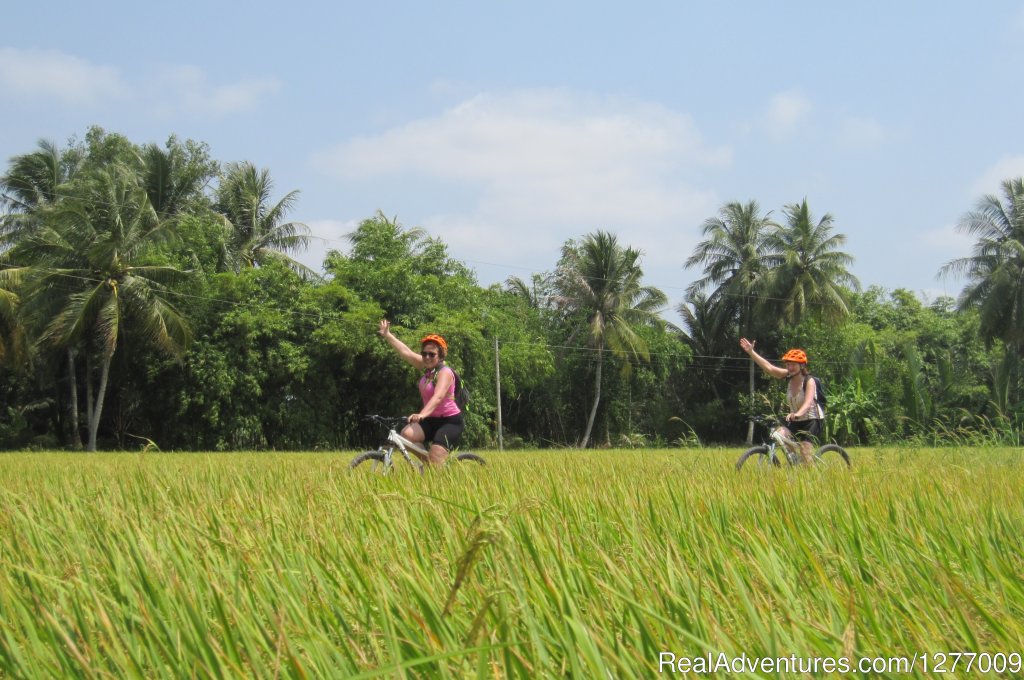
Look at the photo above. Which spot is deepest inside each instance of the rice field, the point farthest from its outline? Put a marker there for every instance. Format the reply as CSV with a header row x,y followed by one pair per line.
x,y
544,564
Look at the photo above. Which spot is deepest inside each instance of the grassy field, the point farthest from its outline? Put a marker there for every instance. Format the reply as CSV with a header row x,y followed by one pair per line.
x,y
543,564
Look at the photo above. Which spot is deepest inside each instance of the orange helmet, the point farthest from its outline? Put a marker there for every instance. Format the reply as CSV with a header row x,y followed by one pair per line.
x,y
797,355
437,340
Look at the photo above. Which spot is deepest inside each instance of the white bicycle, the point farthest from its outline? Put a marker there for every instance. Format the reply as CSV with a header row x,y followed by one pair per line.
x,y
383,456
783,447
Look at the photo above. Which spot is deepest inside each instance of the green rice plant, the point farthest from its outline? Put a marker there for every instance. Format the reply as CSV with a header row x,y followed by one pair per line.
x,y
543,564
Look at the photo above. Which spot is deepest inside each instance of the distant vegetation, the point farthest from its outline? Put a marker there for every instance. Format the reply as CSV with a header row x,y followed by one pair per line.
x,y
150,296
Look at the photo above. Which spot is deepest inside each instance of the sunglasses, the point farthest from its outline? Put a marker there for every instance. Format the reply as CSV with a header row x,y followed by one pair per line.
x,y
428,355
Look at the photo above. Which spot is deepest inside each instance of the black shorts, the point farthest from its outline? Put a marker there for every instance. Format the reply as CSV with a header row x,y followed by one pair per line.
x,y
805,429
443,431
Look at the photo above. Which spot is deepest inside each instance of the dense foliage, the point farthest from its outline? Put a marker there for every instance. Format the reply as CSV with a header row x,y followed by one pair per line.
x,y
149,296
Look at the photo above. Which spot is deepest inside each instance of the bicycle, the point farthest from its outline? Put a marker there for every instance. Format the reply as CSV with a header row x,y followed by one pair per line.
x,y
768,452
383,455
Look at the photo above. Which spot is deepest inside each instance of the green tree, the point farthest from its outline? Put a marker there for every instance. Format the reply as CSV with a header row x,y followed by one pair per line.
x,y
600,282
705,331
995,279
259,232
812,275
34,183
736,255
536,294
95,265
176,175
995,269
408,273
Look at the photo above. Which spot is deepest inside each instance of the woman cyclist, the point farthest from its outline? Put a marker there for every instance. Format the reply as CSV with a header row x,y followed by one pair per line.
x,y
805,413
440,421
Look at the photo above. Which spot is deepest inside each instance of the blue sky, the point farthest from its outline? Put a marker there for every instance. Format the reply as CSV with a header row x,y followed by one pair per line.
x,y
506,129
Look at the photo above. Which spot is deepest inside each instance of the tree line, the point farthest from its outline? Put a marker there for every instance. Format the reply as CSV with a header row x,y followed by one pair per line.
x,y
150,296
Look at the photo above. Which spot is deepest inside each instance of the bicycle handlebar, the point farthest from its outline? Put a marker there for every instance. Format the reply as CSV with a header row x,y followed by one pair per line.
x,y
390,422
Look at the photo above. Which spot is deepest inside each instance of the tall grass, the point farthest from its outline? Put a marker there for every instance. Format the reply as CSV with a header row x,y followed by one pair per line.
x,y
543,564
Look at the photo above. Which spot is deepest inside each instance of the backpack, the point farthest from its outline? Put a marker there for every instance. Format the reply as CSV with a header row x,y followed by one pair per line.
x,y
461,391
819,393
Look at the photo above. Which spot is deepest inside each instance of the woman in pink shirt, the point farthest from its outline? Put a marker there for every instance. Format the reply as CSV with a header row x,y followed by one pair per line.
x,y
440,421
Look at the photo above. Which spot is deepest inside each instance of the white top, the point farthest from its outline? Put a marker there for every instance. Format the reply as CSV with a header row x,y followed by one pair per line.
x,y
796,402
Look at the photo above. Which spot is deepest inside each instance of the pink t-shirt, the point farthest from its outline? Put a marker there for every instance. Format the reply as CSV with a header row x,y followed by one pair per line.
x,y
448,407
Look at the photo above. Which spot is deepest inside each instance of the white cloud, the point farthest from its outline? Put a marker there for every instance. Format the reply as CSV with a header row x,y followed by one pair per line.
x,y
991,181
191,92
860,133
53,74
544,166
786,111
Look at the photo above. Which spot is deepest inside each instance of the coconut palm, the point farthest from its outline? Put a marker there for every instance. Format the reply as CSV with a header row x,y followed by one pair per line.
x,y
535,294
995,269
92,272
174,176
600,281
258,230
12,331
705,326
995,279
736,257
812,276
34,183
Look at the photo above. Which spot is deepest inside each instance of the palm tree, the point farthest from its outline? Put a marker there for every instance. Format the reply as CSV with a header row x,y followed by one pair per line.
x,y
35,182
176,175
812,277
601,280
704,328
12,331
91,270
258,230
534,294
995,276
736,256
995,270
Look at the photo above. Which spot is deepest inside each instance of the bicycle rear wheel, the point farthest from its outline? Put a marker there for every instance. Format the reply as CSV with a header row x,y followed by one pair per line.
x,y
831,455
760,456
468,456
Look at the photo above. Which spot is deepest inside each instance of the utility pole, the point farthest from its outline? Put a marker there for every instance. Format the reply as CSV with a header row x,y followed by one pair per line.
x,y
497,386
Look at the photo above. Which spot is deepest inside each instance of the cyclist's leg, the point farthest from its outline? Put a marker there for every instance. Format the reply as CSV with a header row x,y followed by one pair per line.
x,y
789,439
444,437
807,432
414,433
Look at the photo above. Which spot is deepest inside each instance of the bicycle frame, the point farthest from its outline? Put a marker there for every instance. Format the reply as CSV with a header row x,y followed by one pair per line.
x,y
779,439
404,445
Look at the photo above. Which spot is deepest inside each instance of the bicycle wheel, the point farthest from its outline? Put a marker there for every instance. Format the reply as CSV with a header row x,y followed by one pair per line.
x,y
376,456
464,457
760,454
830,455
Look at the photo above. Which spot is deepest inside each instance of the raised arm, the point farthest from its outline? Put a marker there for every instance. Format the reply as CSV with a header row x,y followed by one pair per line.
x,y
768,367
400,347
